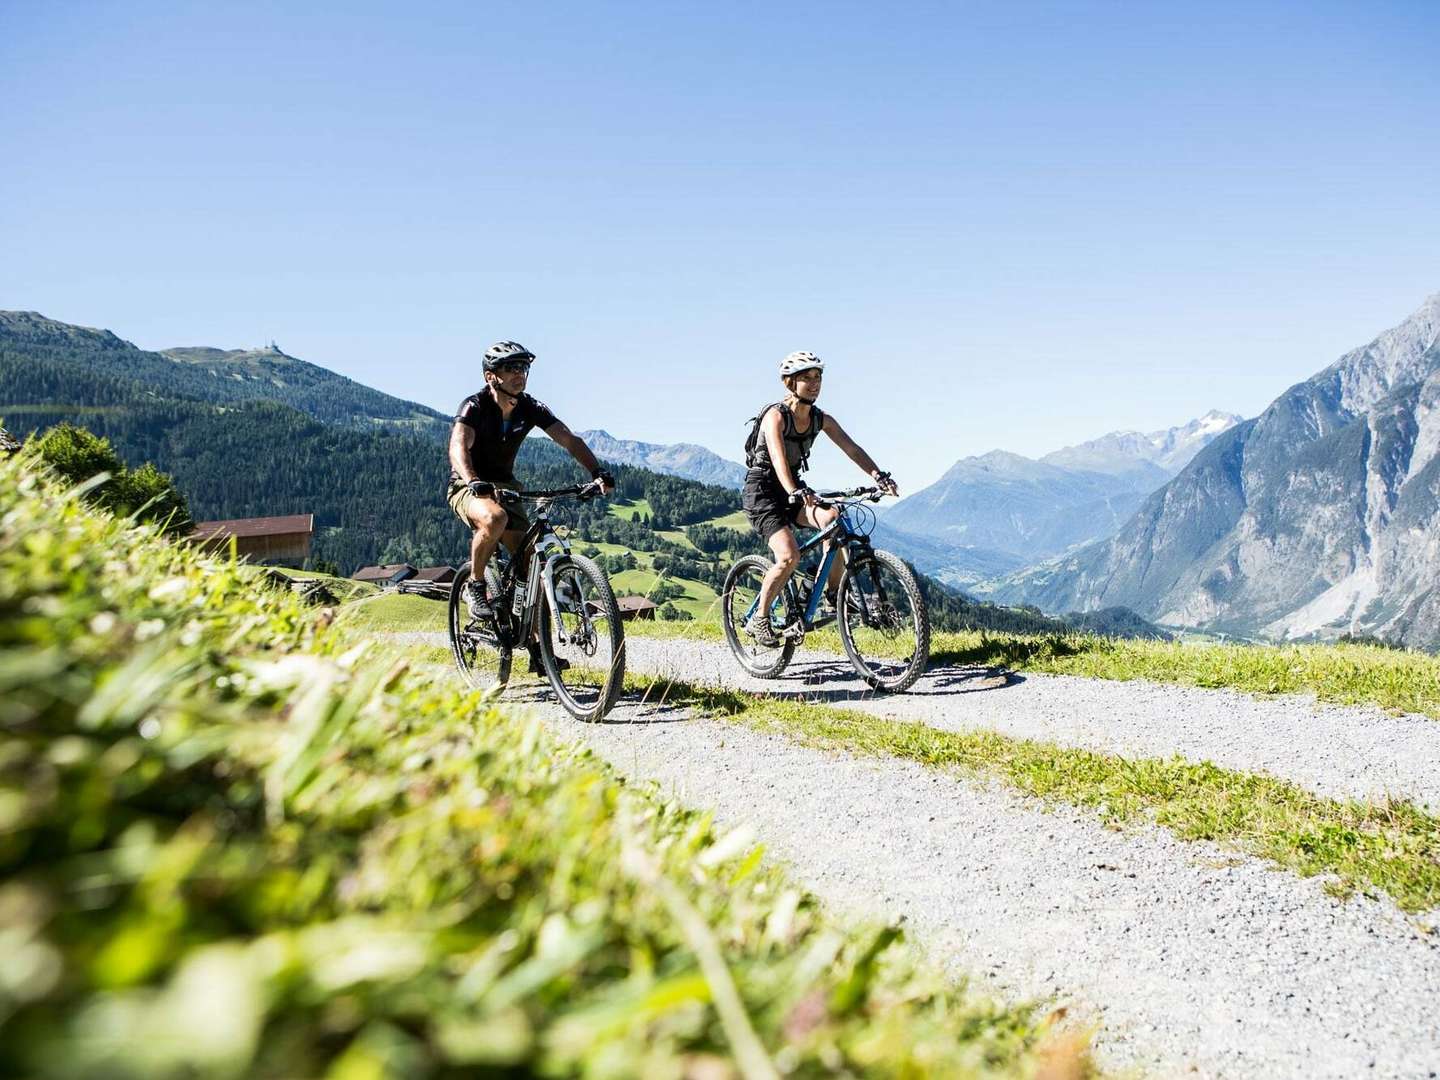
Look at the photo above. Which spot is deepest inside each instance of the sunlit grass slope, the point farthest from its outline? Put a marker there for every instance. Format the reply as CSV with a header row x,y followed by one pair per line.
x,y
229,849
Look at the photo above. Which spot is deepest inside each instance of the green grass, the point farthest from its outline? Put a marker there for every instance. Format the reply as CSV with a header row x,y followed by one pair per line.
x,y
630,511
232,844
676,536
699,600
392,612
345,589
1392,848
735,520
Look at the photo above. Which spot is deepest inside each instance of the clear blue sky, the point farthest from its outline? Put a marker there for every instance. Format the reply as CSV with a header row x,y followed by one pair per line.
x,y
1014,225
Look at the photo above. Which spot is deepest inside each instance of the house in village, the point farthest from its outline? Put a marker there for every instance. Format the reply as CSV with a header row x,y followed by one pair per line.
x,y
439,575
636,607
384,576
269,541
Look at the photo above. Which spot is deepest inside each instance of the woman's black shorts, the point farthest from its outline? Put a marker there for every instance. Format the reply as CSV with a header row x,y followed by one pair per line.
x,y
766,504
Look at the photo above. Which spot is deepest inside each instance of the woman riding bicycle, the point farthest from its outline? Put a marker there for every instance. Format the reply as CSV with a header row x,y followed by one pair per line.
x,y
774,498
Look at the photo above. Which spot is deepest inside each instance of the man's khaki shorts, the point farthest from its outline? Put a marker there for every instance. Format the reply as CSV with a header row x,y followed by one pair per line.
x,y
460,497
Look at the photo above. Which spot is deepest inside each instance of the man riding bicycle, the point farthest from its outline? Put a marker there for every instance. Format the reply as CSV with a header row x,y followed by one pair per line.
x,y
775,499
490,426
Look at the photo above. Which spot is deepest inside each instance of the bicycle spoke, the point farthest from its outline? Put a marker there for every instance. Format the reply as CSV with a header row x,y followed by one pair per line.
x,y
883,623
739,600
583,640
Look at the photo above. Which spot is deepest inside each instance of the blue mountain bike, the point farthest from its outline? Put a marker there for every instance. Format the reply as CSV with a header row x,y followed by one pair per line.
x,y
879,610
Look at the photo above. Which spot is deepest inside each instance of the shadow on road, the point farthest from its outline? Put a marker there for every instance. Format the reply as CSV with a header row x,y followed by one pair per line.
x,y
823,682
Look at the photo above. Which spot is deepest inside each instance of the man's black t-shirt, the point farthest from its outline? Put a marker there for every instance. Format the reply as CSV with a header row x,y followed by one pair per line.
x,y
497,440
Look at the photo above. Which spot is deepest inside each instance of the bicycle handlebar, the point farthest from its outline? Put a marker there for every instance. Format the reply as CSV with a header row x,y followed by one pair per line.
x,y
578,491
869,493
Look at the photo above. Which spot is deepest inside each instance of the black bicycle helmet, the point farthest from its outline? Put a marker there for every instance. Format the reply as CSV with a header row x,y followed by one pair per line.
x,y
502,352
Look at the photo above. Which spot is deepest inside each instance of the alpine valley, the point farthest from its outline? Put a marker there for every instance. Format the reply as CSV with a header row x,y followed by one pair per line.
x,y
257,432
1318,518
1020,511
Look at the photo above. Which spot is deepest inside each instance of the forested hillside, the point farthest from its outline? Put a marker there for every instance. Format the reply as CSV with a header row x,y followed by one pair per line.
x,y
252,446
214,375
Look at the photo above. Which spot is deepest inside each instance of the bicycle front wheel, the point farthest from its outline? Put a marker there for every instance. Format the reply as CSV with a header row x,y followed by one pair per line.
x,y
582,643
481,657
739,598
883,622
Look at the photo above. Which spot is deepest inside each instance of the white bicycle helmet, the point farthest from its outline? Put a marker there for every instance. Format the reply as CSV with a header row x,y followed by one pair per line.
x,y
800,361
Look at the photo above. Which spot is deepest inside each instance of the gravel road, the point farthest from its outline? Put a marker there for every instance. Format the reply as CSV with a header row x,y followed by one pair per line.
x,y
1195,960
1332,750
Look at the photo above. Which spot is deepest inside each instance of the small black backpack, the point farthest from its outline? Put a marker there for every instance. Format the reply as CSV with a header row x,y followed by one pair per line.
x,y
752,441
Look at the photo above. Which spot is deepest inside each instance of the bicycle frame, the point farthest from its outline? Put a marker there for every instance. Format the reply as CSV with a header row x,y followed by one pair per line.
x,y
845,536
543,548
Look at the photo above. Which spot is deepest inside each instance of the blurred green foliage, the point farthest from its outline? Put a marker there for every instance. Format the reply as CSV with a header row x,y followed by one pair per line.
x,y
228,849
147,493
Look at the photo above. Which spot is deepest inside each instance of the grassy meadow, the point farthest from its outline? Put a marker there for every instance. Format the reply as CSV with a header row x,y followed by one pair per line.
x,y
235,843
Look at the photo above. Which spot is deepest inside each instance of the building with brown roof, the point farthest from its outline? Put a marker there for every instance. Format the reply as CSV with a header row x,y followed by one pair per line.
x,y
441,575
389,574
636,607
272,541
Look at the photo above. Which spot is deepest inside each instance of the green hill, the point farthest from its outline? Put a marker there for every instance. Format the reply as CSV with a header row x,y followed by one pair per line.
x,y
213,375
256,433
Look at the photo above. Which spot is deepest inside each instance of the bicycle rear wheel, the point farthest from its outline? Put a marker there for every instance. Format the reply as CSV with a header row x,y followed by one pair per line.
x,y
883,622
481,656
583,630
738,599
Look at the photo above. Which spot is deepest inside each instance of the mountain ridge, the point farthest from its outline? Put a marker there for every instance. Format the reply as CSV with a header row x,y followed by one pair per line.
x,y
1311,520
1029,509
690,460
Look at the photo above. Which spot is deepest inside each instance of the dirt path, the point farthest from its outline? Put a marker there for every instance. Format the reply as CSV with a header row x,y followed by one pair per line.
x,y
1195,960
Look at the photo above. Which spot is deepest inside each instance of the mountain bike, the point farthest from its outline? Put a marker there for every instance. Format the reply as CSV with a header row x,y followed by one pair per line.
x,y
563,597
879,610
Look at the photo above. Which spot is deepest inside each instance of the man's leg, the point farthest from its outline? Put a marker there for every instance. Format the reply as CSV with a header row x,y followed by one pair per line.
x,y
487,519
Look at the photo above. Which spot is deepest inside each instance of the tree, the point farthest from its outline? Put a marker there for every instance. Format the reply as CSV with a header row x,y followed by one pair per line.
x,y
79,456
151,495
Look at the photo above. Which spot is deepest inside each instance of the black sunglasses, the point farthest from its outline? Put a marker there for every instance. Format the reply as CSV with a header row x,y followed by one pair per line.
x,y
512,366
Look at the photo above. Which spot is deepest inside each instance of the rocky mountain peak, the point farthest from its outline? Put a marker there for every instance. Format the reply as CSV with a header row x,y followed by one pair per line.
x,y
1396,358
1169,449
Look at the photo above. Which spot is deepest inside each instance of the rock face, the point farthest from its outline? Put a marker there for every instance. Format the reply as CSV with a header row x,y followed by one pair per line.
x,y
1318,517
677,459
1028,510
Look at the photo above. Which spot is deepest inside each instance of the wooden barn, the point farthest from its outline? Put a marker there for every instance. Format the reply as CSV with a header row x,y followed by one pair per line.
x,y
635,607
388,574
270,541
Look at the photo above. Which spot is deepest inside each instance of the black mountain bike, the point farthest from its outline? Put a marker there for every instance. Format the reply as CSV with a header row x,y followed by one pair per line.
x,y
879,611
563,596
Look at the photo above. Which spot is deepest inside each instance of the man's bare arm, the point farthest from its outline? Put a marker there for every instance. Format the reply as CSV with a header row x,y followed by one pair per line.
x,y
577,449
462,438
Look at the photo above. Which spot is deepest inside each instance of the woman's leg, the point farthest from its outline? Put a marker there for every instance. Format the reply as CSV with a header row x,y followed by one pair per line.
x,y
821,518
787,557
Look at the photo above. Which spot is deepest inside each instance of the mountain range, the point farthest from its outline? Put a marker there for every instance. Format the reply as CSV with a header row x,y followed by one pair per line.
x,y
676,459
1019,510
1320,517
